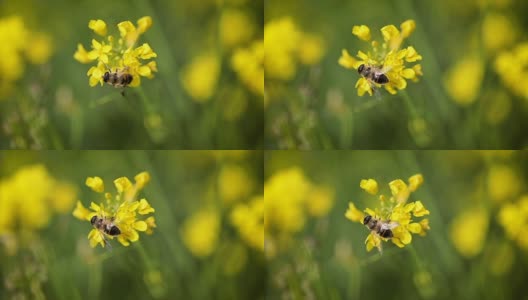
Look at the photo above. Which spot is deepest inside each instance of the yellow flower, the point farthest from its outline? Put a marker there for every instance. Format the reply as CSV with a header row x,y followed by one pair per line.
x,y
369,185
311,49
123,210
513,217
319,201
464,79
235,28
290,198
200,233
362,32
18,43
248,63
503,183
200,77
498,31
249,221
29,198
285,45
98,26
395,210
233,183
387,56
512,67
95,183
465,238
113,54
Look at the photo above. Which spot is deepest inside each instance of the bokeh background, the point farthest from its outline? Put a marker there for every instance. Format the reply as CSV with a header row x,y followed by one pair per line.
x,y
468,97
207,94
208,243
476,248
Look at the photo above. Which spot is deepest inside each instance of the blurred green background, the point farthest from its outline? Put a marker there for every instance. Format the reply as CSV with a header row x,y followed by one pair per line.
x,y
476,248
196,251
464,100
46,102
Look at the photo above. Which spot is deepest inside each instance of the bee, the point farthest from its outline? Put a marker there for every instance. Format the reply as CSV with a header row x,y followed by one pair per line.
x,y
374,74
106,226
380,227
119,78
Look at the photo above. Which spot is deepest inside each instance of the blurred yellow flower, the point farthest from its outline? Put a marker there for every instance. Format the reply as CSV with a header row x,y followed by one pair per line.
x,y
290,198
200,233
29,198
233,183
512,67
393,210
463,80
17,42
235,27
200,77
118,54
467,240
503,183
123,211
285,46
311,49
248,63
249,221
498,31
319,201
513,217
387,56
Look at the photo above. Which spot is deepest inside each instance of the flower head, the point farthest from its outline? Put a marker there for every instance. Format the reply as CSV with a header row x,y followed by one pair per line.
x,y
19,44
112,54
30,209
395,211
389,56
291,198
285,46
122,210
512,67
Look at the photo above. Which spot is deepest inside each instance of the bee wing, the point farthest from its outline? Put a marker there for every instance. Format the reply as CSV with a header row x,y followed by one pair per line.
x,y
389,225
384,70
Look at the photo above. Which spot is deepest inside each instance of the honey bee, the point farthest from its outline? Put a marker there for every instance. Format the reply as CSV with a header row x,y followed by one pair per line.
x,y
106,226
380,227
119,78
374,74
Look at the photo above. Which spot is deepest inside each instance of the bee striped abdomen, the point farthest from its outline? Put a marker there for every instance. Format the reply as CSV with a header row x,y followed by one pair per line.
x,y
386,233
380,78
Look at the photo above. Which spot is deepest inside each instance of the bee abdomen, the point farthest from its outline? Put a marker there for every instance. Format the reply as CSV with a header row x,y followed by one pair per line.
x,y
380,78
386,233
113,230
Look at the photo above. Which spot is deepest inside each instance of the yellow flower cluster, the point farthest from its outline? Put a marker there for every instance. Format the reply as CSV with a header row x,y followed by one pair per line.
x,y
200,76
122,210
514,219
248,63
112,55
290,198
249,221
30,197
387,55
201,231
285,46
512,67
394,209
16,43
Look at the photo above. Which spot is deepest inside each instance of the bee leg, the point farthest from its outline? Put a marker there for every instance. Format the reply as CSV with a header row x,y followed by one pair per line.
x,y
123,92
